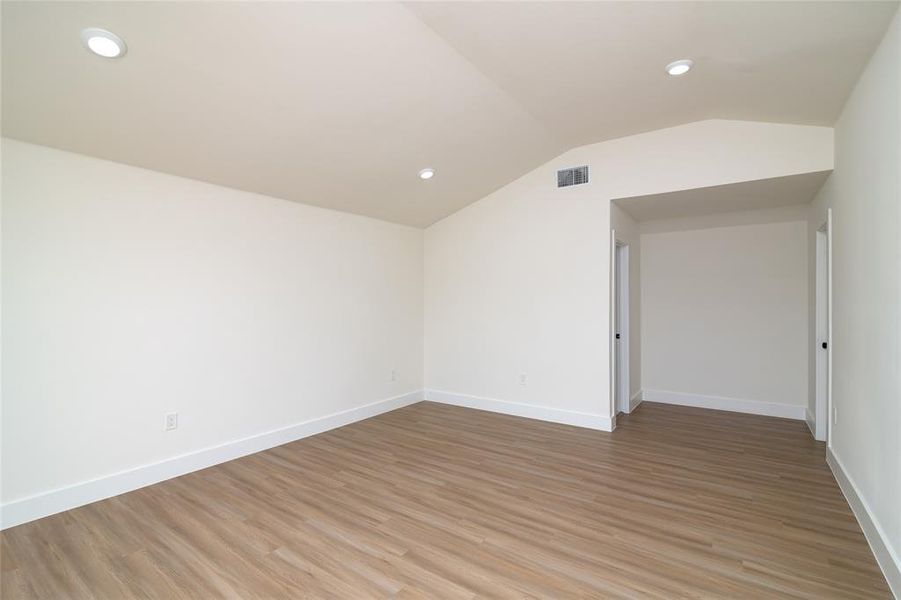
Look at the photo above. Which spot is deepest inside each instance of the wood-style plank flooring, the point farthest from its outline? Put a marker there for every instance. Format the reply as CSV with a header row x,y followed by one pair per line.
x,y
434,501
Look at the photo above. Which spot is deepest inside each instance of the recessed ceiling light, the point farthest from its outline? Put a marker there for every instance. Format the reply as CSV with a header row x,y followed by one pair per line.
x,y
427,173
103,43
680,67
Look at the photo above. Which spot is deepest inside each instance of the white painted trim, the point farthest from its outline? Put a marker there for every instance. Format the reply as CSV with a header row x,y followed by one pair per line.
x,y
530,411
823,330
48,503
612,408
830,413
754,407
811,422
635,400
886,556
820,359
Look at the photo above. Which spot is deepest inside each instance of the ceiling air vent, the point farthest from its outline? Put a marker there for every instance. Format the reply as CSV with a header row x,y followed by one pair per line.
x,y
573,176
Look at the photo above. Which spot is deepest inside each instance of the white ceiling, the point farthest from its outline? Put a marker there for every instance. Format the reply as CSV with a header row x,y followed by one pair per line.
x,y
747,195
341,104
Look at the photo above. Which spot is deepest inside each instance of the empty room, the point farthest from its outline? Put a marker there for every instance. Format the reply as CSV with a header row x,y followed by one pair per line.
x,y
450,300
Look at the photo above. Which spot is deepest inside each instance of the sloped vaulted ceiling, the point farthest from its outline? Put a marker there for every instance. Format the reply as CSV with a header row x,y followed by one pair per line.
x,y
341,104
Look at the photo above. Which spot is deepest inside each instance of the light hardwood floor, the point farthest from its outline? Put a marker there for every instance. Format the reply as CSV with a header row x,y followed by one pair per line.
x,y
433,501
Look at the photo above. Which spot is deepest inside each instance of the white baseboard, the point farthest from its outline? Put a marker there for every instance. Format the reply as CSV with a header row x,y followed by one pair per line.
x,y
48,503
754,407
635,400
530,411
885,555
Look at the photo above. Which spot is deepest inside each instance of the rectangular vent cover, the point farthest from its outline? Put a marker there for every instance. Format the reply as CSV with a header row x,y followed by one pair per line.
x,y
573,176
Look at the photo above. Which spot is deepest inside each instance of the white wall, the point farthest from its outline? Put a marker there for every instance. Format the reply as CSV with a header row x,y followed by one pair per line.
x,y
128,294
864,193
628,232
724,313
519,282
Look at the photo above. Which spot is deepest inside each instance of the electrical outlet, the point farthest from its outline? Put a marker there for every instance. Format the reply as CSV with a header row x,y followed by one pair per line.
x,y
171,421
522,379
393,375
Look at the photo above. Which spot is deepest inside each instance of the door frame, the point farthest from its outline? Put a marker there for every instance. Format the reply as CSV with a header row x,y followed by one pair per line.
x,y
825,417
621,326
